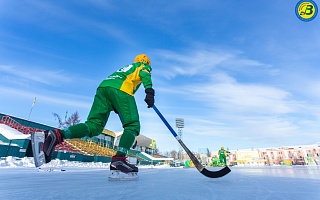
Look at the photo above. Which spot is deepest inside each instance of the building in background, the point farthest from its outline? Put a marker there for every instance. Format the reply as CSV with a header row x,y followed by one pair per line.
x,y
15,141
142,143
290,155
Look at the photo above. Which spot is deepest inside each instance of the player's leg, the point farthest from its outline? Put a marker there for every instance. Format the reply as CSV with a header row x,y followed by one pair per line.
x,y
94,125
126,106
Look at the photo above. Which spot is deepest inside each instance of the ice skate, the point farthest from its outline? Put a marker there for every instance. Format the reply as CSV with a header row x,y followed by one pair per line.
x,y
121,169
37,139
52,138
43,145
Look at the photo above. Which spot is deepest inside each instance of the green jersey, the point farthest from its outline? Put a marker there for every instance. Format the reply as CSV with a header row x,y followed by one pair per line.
x,y
222,152
129,78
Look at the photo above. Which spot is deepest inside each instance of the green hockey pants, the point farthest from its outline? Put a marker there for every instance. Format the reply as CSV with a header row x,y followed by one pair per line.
x,y
105,101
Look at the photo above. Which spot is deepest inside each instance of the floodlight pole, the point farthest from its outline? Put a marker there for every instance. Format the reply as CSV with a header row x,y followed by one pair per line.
x,y
180,125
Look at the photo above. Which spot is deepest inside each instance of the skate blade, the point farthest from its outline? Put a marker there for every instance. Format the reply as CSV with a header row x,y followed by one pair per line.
x,y
50,169
117,175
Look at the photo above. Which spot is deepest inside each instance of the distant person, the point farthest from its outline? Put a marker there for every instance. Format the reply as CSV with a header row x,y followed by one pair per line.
x,y
115,93
215,161
223,156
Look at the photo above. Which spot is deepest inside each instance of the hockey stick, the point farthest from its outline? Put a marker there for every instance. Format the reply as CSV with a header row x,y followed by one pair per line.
x,y
197,164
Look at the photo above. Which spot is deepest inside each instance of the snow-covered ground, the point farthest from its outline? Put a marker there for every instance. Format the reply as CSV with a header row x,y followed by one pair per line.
x,y
19,179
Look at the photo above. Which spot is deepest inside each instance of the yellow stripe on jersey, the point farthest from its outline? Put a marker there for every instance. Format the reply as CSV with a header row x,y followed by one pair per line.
x,y
132,81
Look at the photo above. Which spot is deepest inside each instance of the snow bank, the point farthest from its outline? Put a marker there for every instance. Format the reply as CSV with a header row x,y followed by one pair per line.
x,y
13,162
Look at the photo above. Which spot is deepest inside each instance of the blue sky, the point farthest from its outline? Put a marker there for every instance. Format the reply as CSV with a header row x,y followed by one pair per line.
x,y
242,74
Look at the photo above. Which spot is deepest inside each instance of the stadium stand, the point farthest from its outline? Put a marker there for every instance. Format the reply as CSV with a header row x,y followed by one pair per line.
x,y
90,148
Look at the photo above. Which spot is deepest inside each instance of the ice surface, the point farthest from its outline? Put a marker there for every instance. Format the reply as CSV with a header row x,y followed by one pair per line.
x,y
20,180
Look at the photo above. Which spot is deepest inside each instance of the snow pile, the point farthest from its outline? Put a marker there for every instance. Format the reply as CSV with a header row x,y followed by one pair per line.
x,y
12,162
66,163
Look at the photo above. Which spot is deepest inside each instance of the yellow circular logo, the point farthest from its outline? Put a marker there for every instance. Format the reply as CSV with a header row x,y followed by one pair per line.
x,y
306,10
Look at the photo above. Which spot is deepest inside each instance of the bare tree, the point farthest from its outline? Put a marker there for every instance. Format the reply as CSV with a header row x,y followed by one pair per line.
x,y
174,154
70,121
166,153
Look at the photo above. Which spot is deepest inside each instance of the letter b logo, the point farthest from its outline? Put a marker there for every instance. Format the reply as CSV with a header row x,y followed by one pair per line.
x,y
306,10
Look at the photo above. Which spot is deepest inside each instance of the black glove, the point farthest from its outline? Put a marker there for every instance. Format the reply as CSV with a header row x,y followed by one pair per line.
x,y
149,97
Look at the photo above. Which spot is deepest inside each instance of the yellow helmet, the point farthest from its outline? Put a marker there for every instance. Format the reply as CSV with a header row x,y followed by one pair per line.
x,y
222,148
142,58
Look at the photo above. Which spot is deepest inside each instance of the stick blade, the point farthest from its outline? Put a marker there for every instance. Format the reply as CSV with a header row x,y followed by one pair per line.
x,y
215,174
211,174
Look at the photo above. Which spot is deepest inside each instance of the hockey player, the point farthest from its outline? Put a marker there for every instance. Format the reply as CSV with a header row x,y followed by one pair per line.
x,y
115,93
222,156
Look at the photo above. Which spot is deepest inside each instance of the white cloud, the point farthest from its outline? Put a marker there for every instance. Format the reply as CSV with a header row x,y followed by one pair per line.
x,y
64,19
204,61
238,98
49,77
191,63
242,110
48,97
101,26
245,97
